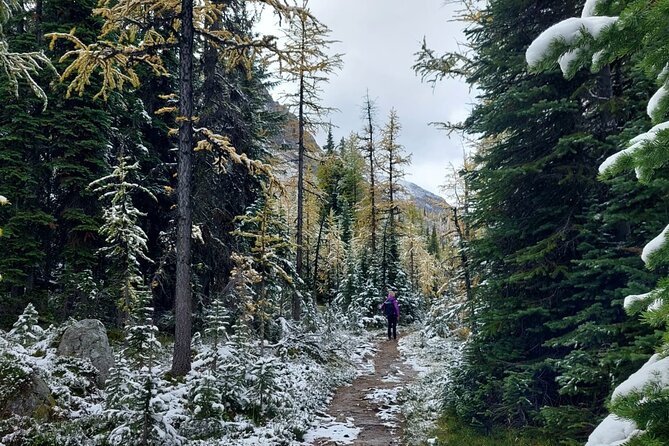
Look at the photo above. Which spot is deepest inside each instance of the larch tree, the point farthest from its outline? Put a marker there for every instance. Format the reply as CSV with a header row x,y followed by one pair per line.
x,y
264,229
369,150
458,187
133,35
391,162
309,67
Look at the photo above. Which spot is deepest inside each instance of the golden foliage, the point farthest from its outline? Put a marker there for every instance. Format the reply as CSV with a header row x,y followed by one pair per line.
x,y
164,110
114,61
130,36
226,152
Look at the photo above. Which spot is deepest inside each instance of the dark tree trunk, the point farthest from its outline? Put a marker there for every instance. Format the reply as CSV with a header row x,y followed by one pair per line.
x,y
39,31
372,185
181,360
318,248
464,261
299,237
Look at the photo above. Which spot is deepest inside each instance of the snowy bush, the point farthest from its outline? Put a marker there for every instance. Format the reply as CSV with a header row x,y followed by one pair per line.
x,y
239,391
25,330
139,408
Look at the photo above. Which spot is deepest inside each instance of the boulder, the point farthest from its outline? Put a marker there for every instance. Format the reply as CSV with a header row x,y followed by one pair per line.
x,y
32,398
88,339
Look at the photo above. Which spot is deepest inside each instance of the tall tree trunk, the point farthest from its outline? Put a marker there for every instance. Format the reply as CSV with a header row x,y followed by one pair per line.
x,y
318,248
181,360
464,261
372,185
296,308
299,237
39,15
391,169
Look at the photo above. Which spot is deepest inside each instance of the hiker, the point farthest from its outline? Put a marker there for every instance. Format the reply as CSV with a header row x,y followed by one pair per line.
x,y
391,310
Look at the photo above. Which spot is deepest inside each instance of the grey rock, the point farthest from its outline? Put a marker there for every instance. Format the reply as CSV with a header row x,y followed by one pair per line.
x,y
88,339
33,399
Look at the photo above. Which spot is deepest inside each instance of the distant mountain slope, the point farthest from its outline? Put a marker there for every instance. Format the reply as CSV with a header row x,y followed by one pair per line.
x,y
422,198
283,147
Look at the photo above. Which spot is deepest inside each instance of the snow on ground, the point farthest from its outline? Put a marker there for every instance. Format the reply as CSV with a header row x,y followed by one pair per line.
x,y
432,358
361,360
388,401
339,433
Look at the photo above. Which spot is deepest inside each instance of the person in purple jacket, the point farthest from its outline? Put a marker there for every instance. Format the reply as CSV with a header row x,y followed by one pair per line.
x,y
391,310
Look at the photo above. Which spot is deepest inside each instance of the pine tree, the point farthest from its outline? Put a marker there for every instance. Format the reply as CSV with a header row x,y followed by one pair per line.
x,y
25,330
433,245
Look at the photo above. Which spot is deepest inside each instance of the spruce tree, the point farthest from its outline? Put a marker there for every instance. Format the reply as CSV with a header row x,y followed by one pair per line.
x,y
532,187
126,241
606,32
49,157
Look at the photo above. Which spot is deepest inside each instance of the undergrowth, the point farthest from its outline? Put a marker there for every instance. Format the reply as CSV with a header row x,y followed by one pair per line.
x,y
451,431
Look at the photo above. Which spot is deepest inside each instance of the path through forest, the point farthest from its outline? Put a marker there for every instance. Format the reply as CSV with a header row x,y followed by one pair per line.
x,y
366,412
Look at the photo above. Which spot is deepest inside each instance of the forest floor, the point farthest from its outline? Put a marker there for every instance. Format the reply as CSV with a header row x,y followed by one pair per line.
x,y
367,411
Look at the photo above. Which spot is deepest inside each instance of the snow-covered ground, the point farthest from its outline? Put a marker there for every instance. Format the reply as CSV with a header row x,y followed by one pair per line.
x,y
302,383
433,358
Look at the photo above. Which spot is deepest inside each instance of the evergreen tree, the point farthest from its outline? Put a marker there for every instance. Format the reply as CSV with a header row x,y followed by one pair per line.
x,y
25,330
125,239
49,162
533,186
233,104
133,37
607,32
433,245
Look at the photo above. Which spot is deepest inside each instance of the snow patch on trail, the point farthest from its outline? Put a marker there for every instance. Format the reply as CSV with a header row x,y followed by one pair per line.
x,y
338,433
387,401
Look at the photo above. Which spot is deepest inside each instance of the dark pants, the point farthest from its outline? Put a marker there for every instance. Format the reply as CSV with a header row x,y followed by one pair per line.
x,y
392,324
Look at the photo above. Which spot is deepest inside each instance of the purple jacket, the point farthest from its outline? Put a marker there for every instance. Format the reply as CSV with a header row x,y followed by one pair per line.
x,y
395,304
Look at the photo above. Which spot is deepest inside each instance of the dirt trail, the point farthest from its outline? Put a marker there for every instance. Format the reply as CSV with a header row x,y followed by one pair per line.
x,y
370,402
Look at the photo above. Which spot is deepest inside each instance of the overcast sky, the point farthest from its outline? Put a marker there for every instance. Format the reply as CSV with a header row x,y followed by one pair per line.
x,y
379,39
